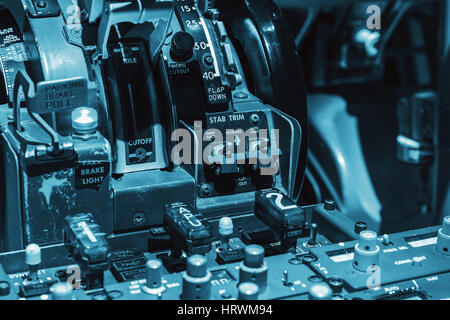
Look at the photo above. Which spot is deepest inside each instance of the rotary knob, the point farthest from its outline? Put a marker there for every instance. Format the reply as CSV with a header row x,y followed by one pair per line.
x,y
153,284
443,238
182,48
5,288
367,251
196,279
254,256
253,268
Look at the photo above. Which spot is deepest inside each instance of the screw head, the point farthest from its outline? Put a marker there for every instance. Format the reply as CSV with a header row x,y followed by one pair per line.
x,y
208,60
254,118
76,32
139,218
206,189
240,95
141,154
41,4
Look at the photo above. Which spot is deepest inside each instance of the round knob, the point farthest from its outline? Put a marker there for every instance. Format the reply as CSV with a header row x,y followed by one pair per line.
x,y
368,240
4,288
446,226
360,226
196,279
367,251
182,46
254,256
225,226
320,292
329,204
32,254
61,291
248,291
336,284
153,273
443,238
196,266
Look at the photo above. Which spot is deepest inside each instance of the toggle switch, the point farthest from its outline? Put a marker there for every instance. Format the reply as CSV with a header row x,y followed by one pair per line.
x,y
313,235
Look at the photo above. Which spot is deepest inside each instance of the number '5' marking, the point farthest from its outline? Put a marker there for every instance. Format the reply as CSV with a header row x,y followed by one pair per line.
x,y
278,199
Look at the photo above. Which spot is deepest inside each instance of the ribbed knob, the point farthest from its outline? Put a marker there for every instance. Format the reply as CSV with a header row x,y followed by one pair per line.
x,y
225,226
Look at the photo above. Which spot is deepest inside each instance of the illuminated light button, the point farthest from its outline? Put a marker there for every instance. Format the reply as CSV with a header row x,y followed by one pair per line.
x,y
33,254
248,291
320,291
84,120
196,279
370,41
182,48
153,276
226,226
443,237
61,291
254,268
367,251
